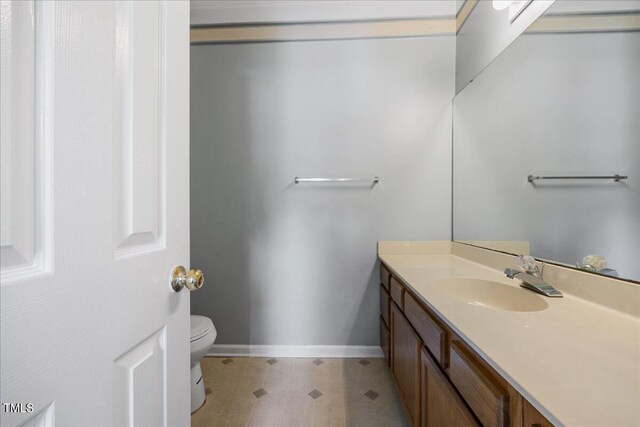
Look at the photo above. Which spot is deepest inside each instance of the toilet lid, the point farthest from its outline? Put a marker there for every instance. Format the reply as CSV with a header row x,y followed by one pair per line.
x,y
200,326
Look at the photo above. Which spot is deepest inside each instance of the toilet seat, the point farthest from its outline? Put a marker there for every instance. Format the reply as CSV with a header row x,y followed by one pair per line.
x,y
200,326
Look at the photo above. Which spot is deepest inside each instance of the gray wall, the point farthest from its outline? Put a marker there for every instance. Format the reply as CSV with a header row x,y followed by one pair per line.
x,y
296,264
556,104
486,33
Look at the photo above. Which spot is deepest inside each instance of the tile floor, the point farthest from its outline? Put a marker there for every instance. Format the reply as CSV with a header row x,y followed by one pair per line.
x,y
298,392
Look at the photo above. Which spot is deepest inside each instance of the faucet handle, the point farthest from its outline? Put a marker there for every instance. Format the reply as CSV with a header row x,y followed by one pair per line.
x,y
527,263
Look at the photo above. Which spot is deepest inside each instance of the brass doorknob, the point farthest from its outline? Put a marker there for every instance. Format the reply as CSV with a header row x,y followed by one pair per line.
x,y
195,280
180,278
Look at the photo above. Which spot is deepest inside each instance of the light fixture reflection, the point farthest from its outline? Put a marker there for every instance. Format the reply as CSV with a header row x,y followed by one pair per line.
x,y
501,4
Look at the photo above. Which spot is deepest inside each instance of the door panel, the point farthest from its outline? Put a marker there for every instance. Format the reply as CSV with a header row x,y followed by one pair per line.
x,y
96,155
139,127
25,195
140,390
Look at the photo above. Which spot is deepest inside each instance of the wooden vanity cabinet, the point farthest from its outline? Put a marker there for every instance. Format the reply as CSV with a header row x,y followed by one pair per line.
x,y
440,404
385,321
440,378
385,307
405,363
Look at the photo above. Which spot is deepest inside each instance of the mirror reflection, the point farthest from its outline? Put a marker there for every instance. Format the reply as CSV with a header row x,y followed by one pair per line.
x,y
547,142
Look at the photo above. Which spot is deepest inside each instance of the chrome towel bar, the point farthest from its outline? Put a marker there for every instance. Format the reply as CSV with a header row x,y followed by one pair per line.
x,y
298,180
616,177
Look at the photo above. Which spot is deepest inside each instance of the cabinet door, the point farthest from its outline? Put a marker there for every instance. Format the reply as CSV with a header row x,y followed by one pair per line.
x,y
385,300
384,339
405,362
441,405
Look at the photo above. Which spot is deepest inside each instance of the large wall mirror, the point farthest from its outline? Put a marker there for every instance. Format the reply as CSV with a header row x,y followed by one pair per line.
x,y
547,142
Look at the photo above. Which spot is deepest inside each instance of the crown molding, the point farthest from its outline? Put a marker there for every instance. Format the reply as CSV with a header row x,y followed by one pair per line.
x,y
287,11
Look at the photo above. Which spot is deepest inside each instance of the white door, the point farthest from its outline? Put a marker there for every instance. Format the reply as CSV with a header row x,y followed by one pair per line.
x,y
95,213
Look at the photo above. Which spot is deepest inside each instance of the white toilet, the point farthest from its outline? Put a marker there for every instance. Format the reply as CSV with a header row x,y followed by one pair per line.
x,y
203,334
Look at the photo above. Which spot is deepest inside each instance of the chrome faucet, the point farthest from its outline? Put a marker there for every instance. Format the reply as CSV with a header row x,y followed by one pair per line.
x,y
533,283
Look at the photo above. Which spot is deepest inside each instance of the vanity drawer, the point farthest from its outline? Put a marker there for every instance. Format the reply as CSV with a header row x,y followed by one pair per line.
x,y
397,291
385,276
432,334
533,418
385,300
385,339
484,396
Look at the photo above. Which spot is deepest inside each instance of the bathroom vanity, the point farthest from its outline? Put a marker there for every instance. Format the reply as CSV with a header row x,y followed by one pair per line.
x,y
468,346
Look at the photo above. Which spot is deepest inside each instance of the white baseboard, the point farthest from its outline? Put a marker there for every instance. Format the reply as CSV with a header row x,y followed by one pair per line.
x,y
230,350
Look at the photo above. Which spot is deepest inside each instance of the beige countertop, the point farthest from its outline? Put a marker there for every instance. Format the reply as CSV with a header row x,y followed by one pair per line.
x,y
577,361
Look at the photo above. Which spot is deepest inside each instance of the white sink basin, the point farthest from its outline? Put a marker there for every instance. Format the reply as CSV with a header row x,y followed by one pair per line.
x,y
489,294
